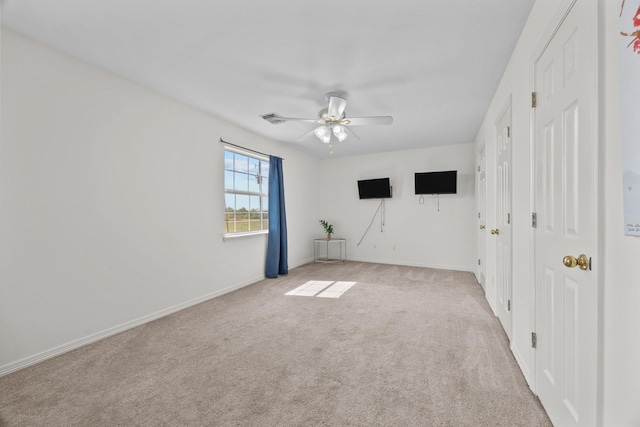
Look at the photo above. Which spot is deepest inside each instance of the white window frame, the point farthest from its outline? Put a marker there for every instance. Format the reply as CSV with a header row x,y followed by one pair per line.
x,y
262,194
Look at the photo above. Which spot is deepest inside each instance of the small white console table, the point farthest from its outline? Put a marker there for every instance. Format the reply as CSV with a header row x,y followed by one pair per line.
x,y
318,252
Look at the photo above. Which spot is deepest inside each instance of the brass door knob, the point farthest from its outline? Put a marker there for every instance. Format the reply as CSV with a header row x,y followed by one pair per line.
x,y
572,262
496,231
482,227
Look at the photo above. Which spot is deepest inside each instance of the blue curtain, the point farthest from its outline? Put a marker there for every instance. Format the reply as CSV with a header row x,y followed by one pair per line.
x,y
277,243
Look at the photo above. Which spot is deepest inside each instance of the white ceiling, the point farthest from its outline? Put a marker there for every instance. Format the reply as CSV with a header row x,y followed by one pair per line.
x,y
431,64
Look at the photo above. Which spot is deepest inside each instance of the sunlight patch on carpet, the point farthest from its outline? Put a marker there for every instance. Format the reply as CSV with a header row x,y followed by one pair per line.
x,y
322,289
336,290
311,288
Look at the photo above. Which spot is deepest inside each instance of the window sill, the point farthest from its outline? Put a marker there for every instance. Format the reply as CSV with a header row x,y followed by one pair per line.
x,y
236,235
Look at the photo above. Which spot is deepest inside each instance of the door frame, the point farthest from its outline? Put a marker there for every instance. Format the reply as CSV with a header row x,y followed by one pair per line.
x,y
563,10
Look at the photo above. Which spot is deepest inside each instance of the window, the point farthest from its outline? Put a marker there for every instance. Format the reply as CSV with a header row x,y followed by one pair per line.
x,y
246,187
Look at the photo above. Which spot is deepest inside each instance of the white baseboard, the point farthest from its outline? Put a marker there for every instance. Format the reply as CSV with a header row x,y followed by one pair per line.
x,y
491,306
524,368
48,354
300,263
413,264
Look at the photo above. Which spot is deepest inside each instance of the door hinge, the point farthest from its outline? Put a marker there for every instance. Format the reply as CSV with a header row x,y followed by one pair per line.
x,y
478,215
478,168
509,218
508,305
508,131
478,261
534,340
534,100
534,220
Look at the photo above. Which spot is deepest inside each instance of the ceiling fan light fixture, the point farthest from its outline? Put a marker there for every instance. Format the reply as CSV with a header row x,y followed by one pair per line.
x,y
340,132
323,133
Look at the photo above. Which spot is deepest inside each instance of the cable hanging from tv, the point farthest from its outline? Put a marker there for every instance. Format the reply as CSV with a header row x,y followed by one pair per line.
x,y
381,206
421,200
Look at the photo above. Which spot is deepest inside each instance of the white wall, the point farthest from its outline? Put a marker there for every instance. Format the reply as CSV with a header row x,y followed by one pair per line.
x,y
112,205
621,280
413,234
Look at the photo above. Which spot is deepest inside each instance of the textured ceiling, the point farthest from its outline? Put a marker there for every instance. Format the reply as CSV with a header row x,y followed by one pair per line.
x,y
432,64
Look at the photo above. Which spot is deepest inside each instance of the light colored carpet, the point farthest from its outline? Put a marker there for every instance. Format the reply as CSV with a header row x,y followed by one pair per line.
x,y
404,346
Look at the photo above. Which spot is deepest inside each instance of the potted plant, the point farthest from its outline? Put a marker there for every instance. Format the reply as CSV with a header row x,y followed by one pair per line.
x,y
328,228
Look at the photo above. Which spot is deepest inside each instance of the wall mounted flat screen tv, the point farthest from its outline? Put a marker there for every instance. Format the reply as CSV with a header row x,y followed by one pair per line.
x,y
374,188
436,182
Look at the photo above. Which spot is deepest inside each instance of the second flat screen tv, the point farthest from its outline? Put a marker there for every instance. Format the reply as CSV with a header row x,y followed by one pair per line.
x,y
374,188
436,182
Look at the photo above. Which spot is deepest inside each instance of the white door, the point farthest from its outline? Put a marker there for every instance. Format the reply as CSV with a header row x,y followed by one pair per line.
x,y
482,197
565,203
502,232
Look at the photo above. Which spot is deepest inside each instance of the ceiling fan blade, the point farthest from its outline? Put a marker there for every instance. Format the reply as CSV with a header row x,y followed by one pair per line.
x,y
375,120
336,107
306,135
295,119
276,119
351,132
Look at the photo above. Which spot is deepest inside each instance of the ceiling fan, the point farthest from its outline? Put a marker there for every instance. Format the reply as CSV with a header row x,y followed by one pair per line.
x,y
332,120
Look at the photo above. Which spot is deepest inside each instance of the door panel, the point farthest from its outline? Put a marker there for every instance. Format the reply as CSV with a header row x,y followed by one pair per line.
x,y
548,324
570,168
548,176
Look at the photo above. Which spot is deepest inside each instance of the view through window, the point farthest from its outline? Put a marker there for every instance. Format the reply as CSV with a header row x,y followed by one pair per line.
x,y
246,187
